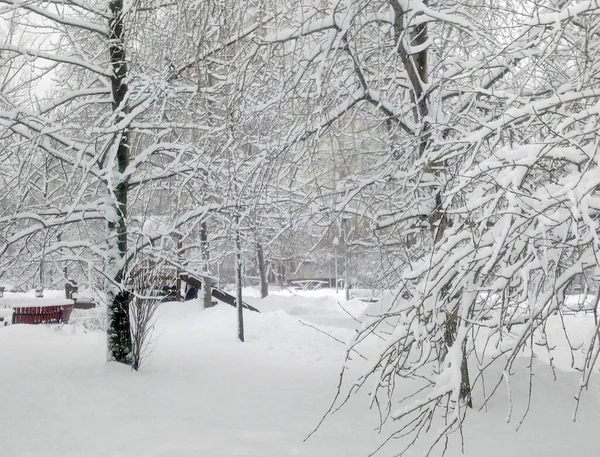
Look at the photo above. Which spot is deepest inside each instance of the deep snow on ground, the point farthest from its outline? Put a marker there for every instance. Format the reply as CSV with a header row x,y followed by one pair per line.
x,y
203,393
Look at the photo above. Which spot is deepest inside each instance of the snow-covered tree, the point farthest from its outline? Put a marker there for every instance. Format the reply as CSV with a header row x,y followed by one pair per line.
x,y
485,193
91,118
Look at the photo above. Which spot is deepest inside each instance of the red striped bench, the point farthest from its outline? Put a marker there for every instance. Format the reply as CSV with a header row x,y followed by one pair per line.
x,y
41,314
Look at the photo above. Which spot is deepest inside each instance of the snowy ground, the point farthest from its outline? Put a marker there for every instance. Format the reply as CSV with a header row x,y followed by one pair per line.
x,y
203,393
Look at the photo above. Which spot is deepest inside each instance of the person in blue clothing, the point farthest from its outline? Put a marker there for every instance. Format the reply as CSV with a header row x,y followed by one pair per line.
x,y
191,293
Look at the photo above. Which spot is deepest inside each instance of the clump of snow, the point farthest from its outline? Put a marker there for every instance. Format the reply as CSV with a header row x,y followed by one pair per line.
x,y
25,301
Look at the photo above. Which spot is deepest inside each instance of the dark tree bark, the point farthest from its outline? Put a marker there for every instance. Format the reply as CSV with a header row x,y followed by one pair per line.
x,y
450,340
119,330
179,293
238,284
416,69
204,242
118,334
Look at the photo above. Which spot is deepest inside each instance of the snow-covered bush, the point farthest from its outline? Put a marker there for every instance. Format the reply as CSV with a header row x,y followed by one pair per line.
x,y
94,319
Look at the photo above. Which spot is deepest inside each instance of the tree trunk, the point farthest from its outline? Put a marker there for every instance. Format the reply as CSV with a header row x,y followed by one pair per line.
x,y
416,69
179,294
450,340
346,260
262,270
207,297
281,274
204,242
335,267
238,285
118,333
346,277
